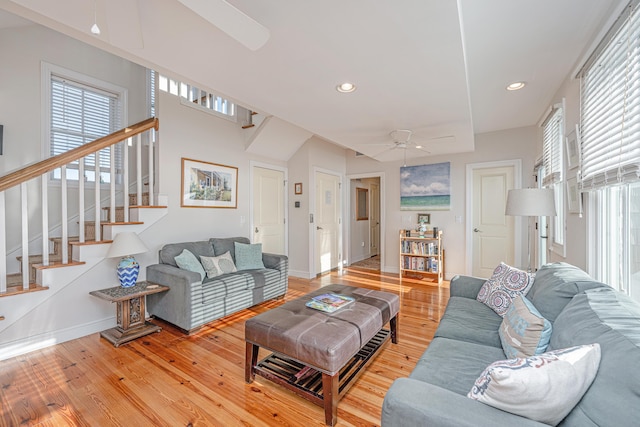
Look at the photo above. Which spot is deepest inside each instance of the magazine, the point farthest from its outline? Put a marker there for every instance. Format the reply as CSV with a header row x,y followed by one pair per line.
x,y
329,302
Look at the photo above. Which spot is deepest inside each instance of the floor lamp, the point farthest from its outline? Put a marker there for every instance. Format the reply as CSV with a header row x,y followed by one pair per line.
x,y
530,202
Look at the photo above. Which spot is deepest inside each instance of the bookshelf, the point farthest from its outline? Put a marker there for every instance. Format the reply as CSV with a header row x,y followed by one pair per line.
x,y
421,255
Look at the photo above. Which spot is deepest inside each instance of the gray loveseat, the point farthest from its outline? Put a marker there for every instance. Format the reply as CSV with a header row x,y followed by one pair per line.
x,y
581,310
192,302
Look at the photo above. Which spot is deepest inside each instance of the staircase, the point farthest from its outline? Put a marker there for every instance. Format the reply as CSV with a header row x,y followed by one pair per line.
x,y
62,261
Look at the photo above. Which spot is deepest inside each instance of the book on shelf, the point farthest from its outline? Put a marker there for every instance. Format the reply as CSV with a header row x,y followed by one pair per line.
x,y
329,302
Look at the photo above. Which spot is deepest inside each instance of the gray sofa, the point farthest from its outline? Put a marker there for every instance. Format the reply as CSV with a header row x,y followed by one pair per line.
x,y
192,302
582,311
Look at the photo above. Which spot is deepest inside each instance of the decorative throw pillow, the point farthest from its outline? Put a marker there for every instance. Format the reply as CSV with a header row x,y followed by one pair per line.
x,y
505,284
188,261
218,265
248,257
524,332
544,388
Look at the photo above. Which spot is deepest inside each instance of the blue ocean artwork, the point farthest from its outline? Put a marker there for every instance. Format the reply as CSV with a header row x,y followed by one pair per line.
x,y
425,187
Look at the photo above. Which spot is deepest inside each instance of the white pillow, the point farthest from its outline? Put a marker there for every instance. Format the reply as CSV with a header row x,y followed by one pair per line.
x,y
505,284
218,265
544,388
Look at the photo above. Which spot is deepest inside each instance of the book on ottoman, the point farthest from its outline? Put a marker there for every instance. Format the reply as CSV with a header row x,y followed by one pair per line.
x,y
329,302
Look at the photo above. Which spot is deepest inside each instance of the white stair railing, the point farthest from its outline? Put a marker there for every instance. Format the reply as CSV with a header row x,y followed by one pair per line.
x,y
42,170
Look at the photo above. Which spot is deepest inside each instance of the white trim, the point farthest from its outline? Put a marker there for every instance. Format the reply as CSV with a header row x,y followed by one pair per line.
x,y
232,118
517,183
253,164
48,339
383,222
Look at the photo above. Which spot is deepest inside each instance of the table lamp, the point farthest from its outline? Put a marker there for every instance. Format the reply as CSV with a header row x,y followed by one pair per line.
x,y
530,202
126,245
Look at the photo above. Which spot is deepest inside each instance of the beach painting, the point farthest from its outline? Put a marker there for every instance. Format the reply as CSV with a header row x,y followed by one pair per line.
x,y
425,187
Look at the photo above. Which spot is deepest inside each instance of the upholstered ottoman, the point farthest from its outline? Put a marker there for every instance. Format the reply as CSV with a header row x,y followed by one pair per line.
x,y
318,355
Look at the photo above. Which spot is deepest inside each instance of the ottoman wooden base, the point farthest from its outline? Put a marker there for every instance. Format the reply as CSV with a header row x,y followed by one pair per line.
x,y
283,371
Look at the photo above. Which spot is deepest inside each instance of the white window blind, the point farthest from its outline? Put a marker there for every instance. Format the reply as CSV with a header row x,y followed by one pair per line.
x,y
610,108
81,114
552,130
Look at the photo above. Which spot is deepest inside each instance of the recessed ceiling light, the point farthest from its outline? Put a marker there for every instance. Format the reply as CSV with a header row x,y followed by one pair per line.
x,y
516,86
346,87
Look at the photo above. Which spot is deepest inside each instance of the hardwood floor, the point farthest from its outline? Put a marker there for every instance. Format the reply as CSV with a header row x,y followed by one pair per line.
x,y
171,379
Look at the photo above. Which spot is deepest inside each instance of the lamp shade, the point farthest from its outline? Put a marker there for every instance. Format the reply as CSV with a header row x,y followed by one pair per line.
x,y
531,202
126,243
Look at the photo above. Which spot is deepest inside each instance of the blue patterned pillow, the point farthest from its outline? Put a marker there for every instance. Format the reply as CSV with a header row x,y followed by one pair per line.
x,y
544,388
524,332
188,261
505,284
248,257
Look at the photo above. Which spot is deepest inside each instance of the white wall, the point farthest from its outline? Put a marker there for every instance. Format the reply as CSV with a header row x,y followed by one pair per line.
x,y
504,145
22,50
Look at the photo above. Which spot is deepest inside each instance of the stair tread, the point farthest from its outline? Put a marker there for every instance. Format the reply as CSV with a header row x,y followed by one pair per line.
x,y
14,287
57,264
38,258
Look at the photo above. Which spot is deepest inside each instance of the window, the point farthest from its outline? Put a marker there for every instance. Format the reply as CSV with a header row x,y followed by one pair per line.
x,y
610,145
80,110
197,98
552,137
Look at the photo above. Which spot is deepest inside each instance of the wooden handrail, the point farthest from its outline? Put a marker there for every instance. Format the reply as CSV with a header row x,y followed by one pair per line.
x,y
47,165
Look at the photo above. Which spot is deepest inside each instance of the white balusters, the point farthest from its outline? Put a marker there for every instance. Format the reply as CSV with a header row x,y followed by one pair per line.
x,y
97,197
25,235
45,219
139,168
112,181
125,178
150,167
81,179
64,221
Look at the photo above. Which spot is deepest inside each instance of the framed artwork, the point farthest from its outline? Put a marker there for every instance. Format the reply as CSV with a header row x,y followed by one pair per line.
x,y
362,204
297,188
424,218
425,187
208,185
574,197
573,148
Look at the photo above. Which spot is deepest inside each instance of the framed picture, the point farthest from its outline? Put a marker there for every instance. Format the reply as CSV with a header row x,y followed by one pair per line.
x,y
573,148
425,187
574,197
208,185
297,188
424,218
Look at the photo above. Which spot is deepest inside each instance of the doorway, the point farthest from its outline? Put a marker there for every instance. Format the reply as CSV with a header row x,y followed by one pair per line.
x,y
365,237
268,213
491,234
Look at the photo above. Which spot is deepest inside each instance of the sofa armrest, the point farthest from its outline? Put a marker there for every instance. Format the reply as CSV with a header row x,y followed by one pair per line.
x,y
412,402
465,286
275,262
176,305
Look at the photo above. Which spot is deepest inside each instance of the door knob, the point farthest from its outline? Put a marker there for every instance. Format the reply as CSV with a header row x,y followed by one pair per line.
x,y
475,230
257,231
318,228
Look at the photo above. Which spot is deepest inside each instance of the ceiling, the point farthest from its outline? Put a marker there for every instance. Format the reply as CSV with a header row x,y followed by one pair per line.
x,y
438,68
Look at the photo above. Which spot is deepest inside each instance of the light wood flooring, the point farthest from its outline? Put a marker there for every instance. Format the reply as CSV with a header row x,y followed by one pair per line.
x,y
171,379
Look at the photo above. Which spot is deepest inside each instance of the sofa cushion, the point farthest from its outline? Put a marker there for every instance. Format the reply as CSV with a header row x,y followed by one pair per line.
x,y
248,257
226,244
188,261
524,332
469,320
544,388
454,365
169,251
555,285
216,266
504,285
611,319
223,286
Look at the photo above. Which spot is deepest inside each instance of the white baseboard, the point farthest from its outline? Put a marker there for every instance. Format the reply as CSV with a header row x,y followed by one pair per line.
x,y
48,339
301,274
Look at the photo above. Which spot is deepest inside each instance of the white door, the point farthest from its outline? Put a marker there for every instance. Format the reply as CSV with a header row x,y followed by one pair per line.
x,y
493,231
374,218
327,222
268,210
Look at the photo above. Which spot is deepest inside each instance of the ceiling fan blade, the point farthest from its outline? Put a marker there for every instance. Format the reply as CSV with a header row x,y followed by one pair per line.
x,y
232,21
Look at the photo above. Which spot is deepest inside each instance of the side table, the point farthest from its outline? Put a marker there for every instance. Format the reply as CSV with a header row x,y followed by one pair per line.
x,y
130,304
